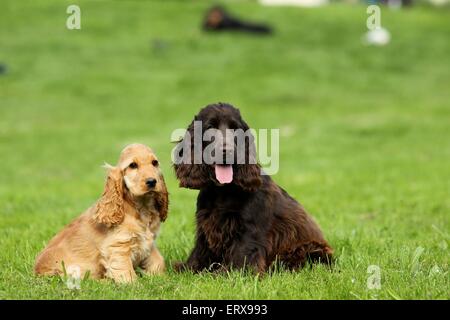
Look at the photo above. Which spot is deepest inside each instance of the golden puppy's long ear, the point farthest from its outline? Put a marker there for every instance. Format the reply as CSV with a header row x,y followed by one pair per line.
x,y
162,201
109,210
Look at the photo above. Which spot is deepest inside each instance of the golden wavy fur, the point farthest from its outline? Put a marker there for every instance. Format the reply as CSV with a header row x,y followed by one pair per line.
x,y
117,234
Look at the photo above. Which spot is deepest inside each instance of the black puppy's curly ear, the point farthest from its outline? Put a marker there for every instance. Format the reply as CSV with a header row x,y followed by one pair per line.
x,y
248,176
190,175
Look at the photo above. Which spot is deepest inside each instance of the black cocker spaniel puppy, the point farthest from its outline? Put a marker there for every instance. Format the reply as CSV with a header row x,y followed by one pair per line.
x,y
244,219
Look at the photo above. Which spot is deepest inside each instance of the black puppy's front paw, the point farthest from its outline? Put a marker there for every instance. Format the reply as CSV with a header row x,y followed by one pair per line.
x,y
180,266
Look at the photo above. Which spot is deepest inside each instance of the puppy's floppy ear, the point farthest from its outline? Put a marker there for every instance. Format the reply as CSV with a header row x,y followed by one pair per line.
x,y
162,201
109,210
248,175
190,175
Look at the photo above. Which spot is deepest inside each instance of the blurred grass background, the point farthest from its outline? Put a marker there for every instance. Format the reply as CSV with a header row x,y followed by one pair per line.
x,y
364,145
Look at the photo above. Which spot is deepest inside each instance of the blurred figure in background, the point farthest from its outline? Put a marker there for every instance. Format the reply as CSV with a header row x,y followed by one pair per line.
x,y
217,19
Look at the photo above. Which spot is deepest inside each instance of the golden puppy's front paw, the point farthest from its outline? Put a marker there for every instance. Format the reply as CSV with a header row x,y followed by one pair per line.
x,y
156,267
155,263
124,277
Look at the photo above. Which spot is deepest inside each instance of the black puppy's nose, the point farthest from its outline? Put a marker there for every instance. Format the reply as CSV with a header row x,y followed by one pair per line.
x,y
151,182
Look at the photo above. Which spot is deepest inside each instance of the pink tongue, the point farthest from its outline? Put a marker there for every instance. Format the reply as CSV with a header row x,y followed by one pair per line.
x,y
224,173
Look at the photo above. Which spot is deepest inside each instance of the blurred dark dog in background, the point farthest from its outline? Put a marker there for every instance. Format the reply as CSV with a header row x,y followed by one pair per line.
x,y
218,19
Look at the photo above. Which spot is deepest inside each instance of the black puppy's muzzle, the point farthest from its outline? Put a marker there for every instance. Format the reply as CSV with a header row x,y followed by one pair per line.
x,y
228,155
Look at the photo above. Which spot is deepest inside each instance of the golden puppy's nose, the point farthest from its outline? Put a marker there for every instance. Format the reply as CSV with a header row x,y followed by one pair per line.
x,y
150,182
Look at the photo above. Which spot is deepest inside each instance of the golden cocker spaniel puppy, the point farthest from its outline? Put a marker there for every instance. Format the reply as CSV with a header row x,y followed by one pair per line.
x,y
117,234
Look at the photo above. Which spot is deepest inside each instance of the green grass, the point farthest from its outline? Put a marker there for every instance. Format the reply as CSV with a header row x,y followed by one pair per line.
x,y
365,136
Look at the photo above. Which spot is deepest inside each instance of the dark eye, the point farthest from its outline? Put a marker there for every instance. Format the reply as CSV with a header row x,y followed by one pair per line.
x,y
155,163
233,125
213,123
133,165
